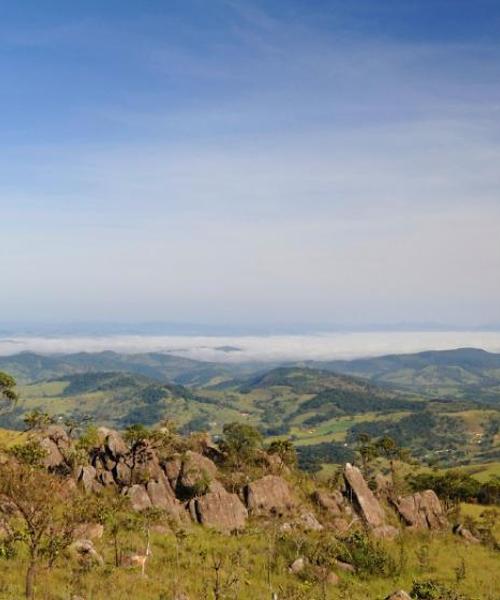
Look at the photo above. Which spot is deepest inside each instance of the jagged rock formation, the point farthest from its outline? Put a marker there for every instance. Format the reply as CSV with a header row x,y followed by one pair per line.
x,y
188,484
422,510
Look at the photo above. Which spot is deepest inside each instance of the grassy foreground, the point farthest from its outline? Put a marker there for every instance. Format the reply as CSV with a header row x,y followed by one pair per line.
x,y
251,567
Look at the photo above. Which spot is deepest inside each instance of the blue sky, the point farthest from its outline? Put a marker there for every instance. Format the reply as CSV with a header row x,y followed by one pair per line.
x,y
250,162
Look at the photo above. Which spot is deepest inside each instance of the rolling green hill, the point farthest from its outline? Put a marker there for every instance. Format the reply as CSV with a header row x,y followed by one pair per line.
x,y
467,373
29,367
117,399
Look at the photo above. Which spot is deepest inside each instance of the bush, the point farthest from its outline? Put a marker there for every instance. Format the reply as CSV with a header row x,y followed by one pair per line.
x,y
430,589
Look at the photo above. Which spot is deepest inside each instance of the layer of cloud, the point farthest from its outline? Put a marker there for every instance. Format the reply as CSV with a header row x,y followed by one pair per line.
x,y
326,346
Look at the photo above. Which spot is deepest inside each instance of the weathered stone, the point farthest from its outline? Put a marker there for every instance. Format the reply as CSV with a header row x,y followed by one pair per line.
x,y
161,495
363,498
87,478
58,435
53,457
197,471
298,565
344,566
139,499
332,502
466,534
172,468
114,444
122,473
399,595
270,494
422,510
220,510
84,550
309,522
106,478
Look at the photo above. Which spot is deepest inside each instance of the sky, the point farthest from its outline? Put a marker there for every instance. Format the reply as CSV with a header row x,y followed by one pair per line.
x,y
250,162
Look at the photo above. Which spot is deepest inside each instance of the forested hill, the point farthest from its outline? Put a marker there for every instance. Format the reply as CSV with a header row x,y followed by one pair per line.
x,y
467,372
29,367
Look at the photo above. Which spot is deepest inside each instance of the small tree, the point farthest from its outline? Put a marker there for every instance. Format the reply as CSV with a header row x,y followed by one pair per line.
x,y
37,498
8,394
285,450
240,442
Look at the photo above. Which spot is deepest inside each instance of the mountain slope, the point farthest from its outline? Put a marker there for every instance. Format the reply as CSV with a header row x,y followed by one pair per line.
x,y
466,372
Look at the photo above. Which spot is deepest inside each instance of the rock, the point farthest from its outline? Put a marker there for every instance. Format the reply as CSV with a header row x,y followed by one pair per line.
x,y
53,456
87,479
332,502
297,566
219,510
385,532
84,550
344,566
400,595
58,435
122,473
89,531
466,534
172,468
161,495
309,522
197,471
216,486
270,494
286,528
363,498
422,510
139,499
114,443
106,478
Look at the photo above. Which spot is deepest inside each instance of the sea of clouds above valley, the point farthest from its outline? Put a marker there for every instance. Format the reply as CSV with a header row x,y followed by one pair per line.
x,y
272,348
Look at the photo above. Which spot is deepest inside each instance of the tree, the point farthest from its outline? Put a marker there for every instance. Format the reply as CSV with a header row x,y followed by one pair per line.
x,y
285,450
8,394
37,498
240,442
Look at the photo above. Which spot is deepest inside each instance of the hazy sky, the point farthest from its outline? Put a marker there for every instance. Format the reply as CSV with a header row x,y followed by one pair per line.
x,y
250,162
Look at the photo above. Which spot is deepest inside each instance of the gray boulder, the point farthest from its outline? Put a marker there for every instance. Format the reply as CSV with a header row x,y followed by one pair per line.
x,y
269,495
139,498
363,498
220,510
422,510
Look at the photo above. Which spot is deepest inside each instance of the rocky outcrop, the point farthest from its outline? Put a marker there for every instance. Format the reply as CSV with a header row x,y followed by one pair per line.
x,y
269,495
363,498
220,510
422,510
